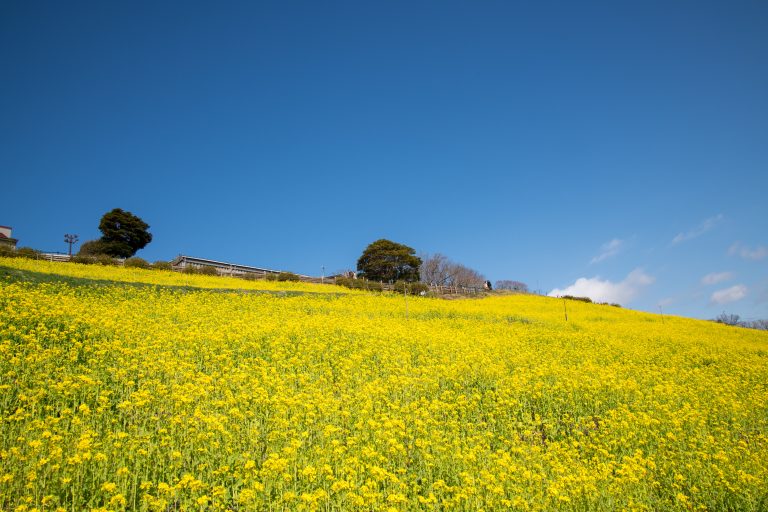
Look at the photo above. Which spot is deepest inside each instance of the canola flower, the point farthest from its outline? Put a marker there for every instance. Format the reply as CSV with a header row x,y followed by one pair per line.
x,y
162,277
150,398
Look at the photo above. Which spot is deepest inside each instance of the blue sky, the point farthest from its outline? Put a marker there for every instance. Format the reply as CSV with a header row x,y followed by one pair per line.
x,y
618,149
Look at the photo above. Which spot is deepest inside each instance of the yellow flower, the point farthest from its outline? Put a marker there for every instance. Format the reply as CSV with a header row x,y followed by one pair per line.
x,y
108,487
118,500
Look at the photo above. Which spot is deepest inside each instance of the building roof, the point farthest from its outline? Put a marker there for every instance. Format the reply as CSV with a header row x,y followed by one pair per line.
x,y
203,261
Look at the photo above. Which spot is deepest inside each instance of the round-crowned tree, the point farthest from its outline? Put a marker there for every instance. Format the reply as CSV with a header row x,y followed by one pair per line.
x,y
123,233
388,261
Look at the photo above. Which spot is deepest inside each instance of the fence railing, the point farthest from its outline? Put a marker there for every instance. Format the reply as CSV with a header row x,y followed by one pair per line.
x,y
457,290
432,288
55,256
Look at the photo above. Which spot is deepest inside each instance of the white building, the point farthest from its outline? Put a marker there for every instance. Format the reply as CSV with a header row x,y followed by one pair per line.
x,y
6,237
231,269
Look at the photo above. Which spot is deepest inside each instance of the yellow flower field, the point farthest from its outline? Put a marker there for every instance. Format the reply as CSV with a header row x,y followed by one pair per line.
x,y
153,398
161,277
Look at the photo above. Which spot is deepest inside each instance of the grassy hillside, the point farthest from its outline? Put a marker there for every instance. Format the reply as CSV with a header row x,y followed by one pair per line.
x,y
120,397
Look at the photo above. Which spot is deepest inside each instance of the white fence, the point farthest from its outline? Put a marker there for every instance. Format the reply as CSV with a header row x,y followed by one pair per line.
x,y
54,256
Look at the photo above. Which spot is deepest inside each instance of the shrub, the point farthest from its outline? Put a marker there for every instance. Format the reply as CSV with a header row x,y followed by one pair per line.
x,y
162,265
92,248
137,262
271,277
359,284
344,281
581,299
6,251
82,258
27,252
104,259
204,270
374,286
208,271
288,276
411,288
94,259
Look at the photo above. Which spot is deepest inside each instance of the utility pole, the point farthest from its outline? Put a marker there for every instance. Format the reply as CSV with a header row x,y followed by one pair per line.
x,y
322,276
662,313
565,308
71,239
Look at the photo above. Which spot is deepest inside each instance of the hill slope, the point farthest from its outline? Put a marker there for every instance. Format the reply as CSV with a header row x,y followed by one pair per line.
x,y
132,397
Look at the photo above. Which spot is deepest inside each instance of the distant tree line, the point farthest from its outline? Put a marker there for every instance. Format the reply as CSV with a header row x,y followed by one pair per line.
x,y
735,320
390,262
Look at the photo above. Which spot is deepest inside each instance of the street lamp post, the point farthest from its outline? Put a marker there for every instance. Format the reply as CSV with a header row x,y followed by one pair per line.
x,y
71,239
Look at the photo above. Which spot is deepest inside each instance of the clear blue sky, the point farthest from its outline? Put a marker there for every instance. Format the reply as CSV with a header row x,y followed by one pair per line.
x,y
618,149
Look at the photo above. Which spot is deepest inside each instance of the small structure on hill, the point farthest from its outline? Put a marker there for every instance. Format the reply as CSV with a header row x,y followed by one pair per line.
x,y
230,269
6,237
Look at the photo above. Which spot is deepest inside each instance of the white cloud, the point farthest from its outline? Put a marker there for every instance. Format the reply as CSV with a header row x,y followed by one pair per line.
x,y
698,230
608,249
758,253
606,291
727,295
716,277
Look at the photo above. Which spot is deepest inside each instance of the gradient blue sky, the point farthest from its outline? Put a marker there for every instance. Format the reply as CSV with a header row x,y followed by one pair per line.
x,y
618,149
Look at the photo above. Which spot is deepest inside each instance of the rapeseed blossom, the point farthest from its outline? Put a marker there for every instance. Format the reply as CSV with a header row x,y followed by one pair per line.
x,y
120,397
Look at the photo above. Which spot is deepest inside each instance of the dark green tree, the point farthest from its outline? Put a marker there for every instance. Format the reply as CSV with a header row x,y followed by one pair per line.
x,y
123,233
384,260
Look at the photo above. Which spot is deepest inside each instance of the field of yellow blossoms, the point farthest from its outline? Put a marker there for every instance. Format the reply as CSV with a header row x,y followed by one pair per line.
x,y
152,397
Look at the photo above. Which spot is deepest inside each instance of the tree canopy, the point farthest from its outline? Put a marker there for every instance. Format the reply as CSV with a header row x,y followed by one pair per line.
x,y
123,233
388,261
437,269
